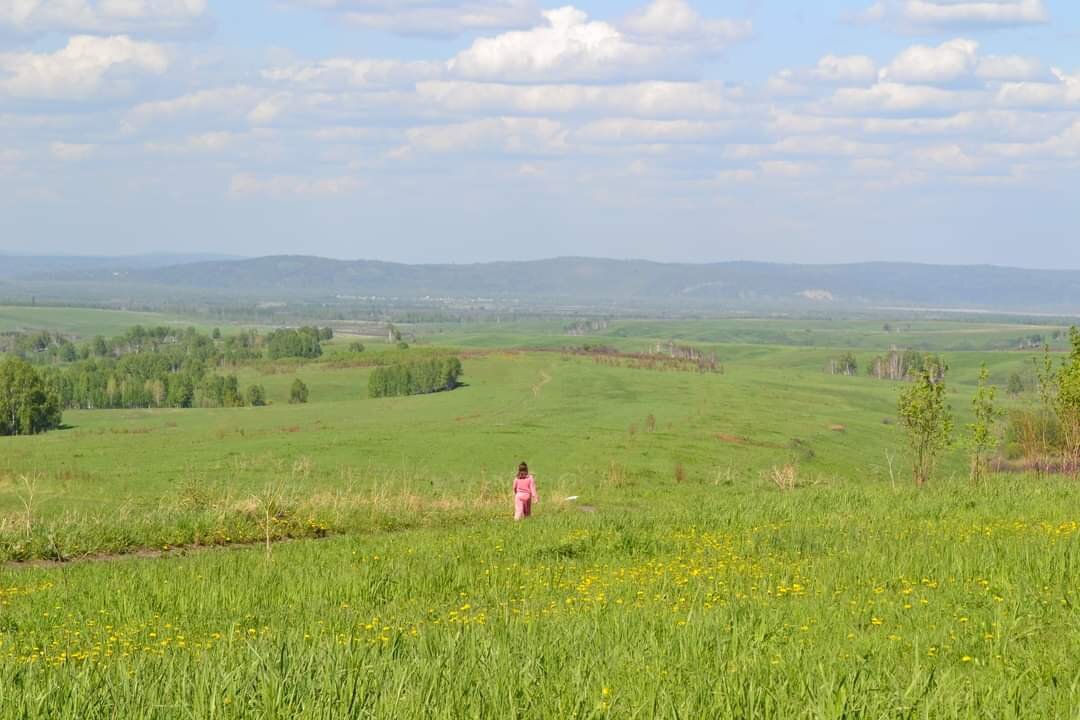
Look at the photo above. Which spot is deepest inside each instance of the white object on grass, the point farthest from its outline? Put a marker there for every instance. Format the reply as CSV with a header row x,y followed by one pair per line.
x,y
571,498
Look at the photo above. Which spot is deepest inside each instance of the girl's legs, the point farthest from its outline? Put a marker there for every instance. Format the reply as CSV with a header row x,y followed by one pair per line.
x,y
519,506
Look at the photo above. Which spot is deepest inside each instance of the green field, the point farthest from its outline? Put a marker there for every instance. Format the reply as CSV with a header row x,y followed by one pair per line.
x,y
679,582
83,322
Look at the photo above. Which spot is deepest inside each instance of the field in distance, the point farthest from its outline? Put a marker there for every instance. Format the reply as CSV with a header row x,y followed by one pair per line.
x,y
681,581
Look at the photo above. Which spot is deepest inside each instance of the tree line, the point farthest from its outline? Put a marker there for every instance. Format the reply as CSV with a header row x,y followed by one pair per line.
x,y
43,348
893,365
415,377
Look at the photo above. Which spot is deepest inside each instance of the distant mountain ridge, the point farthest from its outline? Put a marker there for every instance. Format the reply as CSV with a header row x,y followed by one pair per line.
x,y
66,267
600,280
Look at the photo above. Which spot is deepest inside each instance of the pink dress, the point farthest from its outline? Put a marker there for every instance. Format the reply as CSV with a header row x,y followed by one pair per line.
x,y
524,496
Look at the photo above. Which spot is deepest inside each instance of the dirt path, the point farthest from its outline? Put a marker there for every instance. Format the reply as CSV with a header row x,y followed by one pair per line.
x,y
545,378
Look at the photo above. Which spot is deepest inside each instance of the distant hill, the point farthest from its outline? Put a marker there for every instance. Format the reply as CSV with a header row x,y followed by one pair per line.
x,y
733,284
70,267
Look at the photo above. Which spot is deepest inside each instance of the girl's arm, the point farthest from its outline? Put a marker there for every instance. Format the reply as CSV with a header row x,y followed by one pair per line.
x,y
532,489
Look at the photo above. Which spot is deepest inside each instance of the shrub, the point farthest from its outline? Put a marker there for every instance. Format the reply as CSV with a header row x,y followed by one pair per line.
x,y
255,395
298,393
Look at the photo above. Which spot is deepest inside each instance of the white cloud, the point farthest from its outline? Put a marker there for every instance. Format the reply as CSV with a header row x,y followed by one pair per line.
x,y
354,73
897,98
515,136
1065,93
945,15
945,64
568,47
432,17
1009,67
646,99
211,142
804,146
86,67
675,21
837,70
635,131
101,16
71,152
947,157
212,104
285,185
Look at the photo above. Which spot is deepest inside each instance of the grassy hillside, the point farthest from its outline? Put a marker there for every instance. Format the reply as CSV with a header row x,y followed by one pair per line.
x,y
664,575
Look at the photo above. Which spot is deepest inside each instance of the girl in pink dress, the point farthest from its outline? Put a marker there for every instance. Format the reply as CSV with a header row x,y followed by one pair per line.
x,y
524,493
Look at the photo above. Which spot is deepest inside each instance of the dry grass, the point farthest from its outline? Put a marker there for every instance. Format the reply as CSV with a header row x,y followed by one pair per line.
x,y
785,477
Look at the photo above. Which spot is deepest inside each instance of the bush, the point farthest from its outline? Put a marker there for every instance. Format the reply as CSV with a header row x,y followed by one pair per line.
x,y
356,347
1035,432
255,395
418,377
298,393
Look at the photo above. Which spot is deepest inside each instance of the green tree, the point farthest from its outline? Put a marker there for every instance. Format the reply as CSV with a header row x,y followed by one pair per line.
x,y
927,420
26,405
981,437
1016,385
298,393
255,395
1068,401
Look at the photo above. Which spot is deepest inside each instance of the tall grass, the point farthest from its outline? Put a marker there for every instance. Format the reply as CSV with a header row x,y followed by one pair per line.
x,y
839,601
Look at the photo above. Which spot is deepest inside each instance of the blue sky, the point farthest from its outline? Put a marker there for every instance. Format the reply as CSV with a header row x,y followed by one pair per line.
x,y
468,130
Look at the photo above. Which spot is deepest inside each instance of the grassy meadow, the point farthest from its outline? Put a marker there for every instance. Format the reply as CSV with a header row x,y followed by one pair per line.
x,y
679,582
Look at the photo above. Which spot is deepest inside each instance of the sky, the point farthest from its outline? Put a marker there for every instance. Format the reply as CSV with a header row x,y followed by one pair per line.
x,y
939,131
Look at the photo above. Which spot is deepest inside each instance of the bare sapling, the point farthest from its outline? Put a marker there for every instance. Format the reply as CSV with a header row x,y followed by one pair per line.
x,y
270,503
26,494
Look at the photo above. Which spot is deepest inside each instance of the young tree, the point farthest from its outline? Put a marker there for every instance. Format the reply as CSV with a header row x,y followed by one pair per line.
x,y
1016,385
927,419
981,432
298,393
1068,401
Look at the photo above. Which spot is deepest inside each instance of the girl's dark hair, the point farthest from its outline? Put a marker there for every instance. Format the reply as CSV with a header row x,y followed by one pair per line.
x,y
523,470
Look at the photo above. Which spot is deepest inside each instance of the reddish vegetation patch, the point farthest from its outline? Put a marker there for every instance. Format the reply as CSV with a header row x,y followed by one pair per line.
x,y
1041,466
732,439
838,428
291,429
